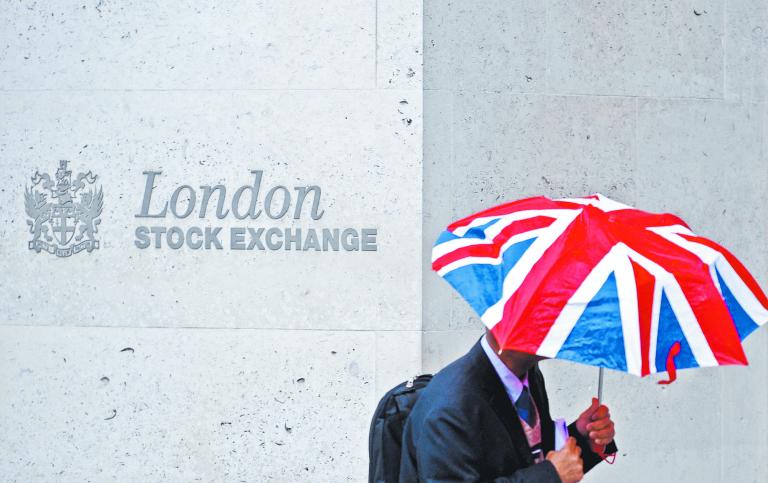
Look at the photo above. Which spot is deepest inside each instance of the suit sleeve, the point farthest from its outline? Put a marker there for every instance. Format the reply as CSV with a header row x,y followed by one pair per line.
x,y
448,449
590,458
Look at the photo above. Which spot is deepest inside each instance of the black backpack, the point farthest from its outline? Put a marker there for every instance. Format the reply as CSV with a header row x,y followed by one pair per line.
x,y
386,435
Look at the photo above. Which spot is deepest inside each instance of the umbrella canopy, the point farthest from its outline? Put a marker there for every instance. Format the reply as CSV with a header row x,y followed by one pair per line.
x,y
601,283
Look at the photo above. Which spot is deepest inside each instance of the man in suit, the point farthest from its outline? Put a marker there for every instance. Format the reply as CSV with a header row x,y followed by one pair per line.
x,y
485,417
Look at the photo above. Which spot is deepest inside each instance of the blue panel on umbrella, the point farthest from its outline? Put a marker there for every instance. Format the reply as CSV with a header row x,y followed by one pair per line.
x,y
446,236
669,333
475,232
480,284
597,338
743,322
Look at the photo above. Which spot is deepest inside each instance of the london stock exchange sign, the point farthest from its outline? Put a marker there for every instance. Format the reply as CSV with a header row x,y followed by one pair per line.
x,y
63,212
252,206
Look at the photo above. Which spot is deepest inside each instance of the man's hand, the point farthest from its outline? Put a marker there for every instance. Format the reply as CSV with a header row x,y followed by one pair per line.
x,y
567,462
595,423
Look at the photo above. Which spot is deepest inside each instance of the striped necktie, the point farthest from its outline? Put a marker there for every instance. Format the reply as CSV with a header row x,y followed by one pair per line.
x,y
524,406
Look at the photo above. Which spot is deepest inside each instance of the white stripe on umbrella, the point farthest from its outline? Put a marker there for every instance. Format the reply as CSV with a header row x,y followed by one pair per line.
x,y
700,348
656,309
682,309
573,310
490,232
629,310
517,274
714,258
497,260
741,292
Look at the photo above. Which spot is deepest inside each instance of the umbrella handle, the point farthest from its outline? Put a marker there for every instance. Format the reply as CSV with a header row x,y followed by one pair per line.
x,y
600,386
608,458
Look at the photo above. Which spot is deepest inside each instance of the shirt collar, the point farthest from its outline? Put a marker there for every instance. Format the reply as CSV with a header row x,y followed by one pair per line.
x,y
512,384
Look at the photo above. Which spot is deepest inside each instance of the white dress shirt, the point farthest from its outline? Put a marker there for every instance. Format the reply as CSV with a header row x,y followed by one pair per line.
x,y
512,384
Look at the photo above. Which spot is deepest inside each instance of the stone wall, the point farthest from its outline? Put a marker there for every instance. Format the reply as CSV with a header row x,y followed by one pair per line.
x,y
162,364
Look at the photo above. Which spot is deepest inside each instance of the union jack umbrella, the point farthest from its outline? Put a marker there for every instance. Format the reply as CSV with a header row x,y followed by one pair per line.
x,y
598,282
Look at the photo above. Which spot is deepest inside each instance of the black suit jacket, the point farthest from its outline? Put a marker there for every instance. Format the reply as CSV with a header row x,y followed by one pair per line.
x,y
465,428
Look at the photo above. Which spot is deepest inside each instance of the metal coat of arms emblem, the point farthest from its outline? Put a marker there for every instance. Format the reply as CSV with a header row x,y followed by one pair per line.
x,y
68,223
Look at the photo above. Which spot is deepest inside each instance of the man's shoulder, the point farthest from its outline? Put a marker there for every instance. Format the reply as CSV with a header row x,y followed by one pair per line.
x,y
456,387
